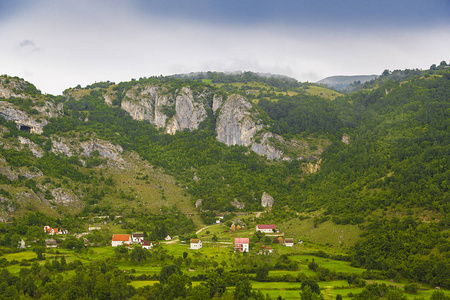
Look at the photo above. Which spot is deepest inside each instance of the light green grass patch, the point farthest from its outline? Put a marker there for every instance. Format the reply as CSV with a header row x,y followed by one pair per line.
x,y
333,265
323,92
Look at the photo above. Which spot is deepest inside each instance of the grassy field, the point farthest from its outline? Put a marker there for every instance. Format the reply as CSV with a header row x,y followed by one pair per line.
x,y
322,92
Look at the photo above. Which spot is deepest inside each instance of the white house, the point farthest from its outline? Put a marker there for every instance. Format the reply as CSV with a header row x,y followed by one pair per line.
x,y
147,245
266,228
120,239
49,230
241,244
289,242
167,238
196,244
137,237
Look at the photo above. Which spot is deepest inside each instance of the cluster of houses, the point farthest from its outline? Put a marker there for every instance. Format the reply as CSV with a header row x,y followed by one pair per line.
x,y
51,231
240,244
127,240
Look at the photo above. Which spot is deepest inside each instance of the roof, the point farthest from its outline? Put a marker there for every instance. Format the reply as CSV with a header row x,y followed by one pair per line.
x,y
195,240
121,237
260,226
146,243
288,240
241,240
50,242
138,234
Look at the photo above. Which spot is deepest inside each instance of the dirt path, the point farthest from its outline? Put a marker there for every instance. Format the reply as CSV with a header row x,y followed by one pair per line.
x,y
201,229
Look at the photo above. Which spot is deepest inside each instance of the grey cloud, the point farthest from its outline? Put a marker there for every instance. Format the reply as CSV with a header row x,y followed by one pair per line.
x,y
26,43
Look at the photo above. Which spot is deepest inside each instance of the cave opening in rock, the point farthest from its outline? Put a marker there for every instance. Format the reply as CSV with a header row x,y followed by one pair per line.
x,y
25,128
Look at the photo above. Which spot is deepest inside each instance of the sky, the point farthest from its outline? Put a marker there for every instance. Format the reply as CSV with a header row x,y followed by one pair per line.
x,y
57,44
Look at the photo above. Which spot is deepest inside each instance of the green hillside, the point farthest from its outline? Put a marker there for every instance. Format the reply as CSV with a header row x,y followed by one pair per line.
x,y
374,164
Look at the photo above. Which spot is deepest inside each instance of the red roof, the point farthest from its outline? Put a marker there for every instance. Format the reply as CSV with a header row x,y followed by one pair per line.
x,y
266,226
146,243
241,240
121,237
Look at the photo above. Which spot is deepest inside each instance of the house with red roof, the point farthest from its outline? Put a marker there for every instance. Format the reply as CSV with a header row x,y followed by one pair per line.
x,y
266,228
241,244
147,245
50,230
120,239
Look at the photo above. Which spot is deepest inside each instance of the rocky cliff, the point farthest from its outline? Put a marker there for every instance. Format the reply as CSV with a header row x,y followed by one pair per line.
x,y
171,111
29,112
236,123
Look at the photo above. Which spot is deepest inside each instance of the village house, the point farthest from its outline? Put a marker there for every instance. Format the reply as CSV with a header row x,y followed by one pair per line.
x,y
95,228
120,239
49,230
137,237
266,228
288,242
265,250
167,238
50,243
147,245
241,244
219,218
196,244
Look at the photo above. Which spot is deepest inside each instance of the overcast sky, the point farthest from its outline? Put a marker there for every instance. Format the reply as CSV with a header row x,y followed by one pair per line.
x,y
57,44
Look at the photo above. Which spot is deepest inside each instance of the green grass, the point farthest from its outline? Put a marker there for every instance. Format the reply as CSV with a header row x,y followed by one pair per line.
x,y
336,236
333,265
323,92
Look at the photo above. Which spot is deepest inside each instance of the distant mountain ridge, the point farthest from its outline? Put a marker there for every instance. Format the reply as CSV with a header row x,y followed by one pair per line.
x,y
341,82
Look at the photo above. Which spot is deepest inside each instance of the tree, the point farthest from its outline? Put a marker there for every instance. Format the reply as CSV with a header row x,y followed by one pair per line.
x,y
39,250
138,254
199,292
262,272
243,289
216,285
214,239
312,284
313,265
167,271
308,294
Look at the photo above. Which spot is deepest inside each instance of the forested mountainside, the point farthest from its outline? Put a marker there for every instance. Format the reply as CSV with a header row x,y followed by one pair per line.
x,y
378,157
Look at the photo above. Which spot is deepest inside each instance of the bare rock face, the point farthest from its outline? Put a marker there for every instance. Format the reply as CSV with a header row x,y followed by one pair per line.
x,y
60,146
16,88
23,121
154,104
35,149
104,148
236,123
266,147
62,196
188,112
237,204
346,139
267,200
198,203
217,103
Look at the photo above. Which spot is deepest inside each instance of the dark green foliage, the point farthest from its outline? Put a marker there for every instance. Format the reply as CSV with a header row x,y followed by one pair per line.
x,y
302,113
402,246
312,285
167,271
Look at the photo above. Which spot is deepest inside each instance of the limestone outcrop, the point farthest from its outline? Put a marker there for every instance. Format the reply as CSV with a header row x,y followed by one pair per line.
x,y
236,123
264,146
267,200
23,121
173,112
